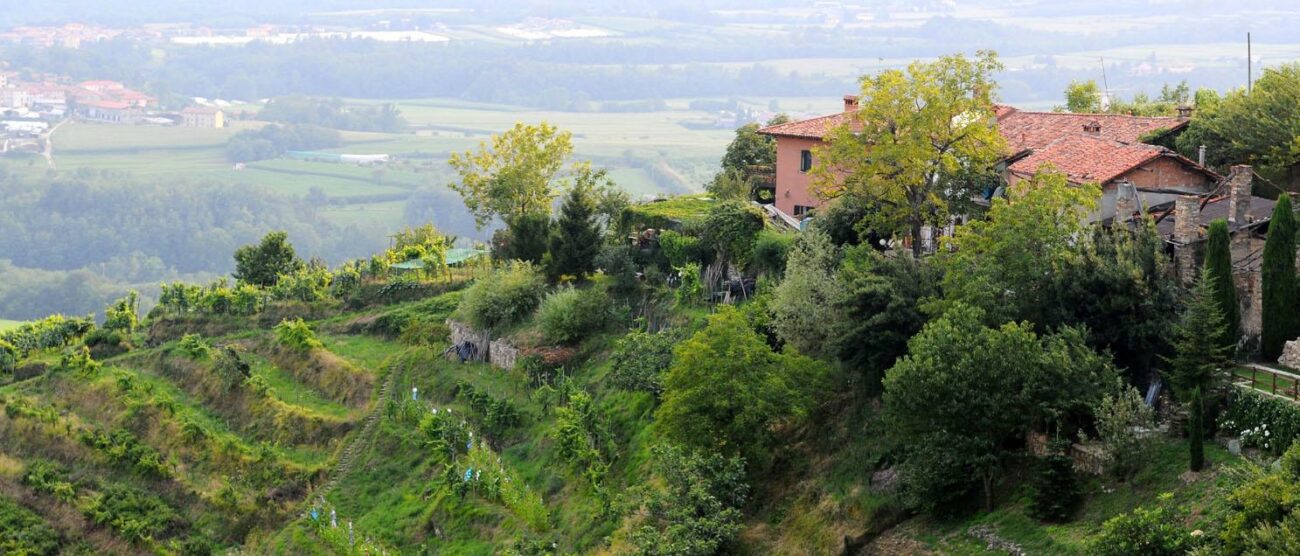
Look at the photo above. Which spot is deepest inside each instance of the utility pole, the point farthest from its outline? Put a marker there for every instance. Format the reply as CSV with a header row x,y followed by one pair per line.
x,y
1250,65
1105,86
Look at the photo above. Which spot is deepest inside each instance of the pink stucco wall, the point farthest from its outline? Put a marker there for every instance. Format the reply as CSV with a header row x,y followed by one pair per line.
x,y
791,184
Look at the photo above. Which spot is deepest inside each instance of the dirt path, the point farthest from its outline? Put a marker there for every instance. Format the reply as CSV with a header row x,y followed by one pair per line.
x,y
49,145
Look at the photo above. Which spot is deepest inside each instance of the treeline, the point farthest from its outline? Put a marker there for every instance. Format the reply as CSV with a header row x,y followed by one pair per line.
x,y
73,244
332,113
274,140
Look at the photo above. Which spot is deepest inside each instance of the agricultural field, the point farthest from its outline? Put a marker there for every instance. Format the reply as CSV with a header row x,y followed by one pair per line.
x,y
674,150
8,324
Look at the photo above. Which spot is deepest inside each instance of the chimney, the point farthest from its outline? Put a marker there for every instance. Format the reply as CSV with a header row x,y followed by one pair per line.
x,y
1125,202
850,103
1239,192
1200,155
1184,112
1092,127
1187,229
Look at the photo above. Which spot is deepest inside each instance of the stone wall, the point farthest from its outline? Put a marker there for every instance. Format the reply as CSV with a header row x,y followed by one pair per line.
x,y
502,354
461,332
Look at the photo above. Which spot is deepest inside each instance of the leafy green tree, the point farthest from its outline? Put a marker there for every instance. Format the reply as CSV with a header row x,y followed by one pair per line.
x,y
1218,267
1258,128
965,391
1278,281
1121,287
262,264
807,306
930,143
513,176
1199,365
727,389
576,237
881,309
640,359
1083,97
124,314
698,509
1121,415
1005,263
508,295
749,156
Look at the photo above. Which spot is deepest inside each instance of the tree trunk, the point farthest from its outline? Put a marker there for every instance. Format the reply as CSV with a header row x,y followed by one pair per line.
x,y
916,239
988,491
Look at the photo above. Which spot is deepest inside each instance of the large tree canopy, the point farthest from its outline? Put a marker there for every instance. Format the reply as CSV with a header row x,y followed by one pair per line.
x,y
514,175
928,142
1260,128
965,390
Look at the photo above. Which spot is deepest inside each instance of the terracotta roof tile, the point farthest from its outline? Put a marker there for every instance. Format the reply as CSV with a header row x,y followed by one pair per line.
x,y
1087,158
1034,130
813,128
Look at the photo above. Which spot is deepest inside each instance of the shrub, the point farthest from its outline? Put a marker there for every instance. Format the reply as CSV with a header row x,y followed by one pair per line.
x,y
691,289
570,315
507,296
1055,490
497,415
1261,421
297,335
8,357
122,315
24,532
135,514
195,347
679,249
640,359
698,508
616,262
770,252
1147,531
47,478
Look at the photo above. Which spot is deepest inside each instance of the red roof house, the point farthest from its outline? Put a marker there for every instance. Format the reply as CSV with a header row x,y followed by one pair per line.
x,y
1089,148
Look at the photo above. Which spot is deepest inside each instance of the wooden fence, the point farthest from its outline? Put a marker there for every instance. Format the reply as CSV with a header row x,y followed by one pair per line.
x,y
1274,382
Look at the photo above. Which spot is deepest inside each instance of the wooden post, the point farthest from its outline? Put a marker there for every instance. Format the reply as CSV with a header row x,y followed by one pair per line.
x,y
1274,390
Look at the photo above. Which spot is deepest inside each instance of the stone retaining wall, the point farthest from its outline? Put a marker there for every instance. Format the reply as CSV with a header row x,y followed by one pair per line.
x,y
502,354
461,332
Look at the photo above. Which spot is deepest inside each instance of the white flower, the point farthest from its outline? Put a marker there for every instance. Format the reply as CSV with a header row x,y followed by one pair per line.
x,y
1265,433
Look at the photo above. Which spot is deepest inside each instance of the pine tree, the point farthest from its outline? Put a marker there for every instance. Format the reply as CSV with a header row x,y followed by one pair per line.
x,y
1199,360
1218,266
1279,281
575,239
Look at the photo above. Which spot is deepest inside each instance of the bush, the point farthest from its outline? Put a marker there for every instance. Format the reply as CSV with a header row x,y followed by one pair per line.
x,y
24,532
617,263
135,514
691,289
770,252
679,249
8,357
1147,531
195,347
571,315
296,335
107,342
640,359
1261,421
1055,490
507,296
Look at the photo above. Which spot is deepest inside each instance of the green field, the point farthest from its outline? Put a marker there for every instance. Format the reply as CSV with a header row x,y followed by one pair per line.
x,y
8,324
650,153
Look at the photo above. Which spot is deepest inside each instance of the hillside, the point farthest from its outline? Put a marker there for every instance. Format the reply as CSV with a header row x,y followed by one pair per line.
x,y
331,413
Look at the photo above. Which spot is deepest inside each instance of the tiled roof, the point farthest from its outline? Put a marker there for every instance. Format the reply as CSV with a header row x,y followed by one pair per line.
x,y
814,128
1088,158
1034,130
107,104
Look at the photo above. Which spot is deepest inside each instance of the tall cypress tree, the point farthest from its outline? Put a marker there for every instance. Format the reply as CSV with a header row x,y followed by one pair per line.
x,y
575,239
1279,281
1218,268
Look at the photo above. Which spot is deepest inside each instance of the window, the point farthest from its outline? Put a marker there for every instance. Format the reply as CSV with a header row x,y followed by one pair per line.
x,y
805,161
801,211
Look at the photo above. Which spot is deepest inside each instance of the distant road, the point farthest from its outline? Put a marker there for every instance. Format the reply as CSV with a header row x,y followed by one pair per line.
x,y
49,144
